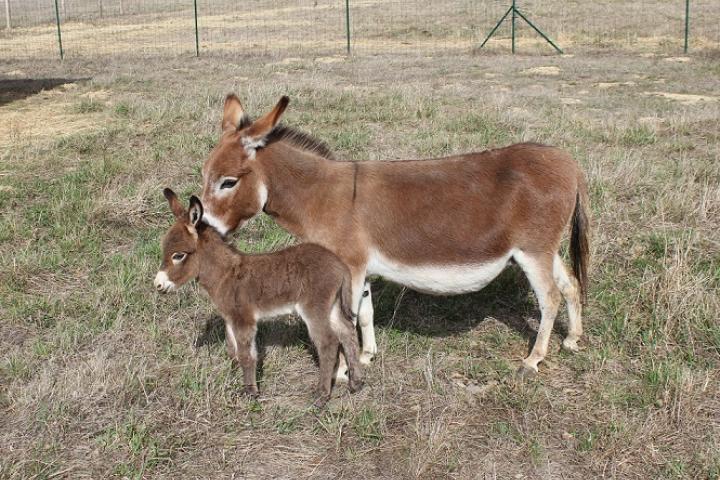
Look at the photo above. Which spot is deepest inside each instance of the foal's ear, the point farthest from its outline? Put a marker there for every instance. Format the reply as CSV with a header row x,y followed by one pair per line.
x,y
233,113
196,211
175,205
263,125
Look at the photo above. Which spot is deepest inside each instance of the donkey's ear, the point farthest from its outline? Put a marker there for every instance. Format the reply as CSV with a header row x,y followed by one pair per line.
x,y
263,125
233,113
175,205
196,211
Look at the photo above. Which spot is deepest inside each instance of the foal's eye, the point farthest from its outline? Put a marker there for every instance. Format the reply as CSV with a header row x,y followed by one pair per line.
x,y
229,183
179,257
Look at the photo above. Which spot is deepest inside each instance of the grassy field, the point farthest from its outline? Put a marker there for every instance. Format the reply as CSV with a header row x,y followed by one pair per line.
x,y
100,376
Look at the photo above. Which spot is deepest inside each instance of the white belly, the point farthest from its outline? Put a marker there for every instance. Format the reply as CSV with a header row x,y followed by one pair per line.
x,y
275,312
438,279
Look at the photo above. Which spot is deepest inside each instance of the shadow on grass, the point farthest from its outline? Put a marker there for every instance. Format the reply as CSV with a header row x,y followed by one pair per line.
x,y
508,299
283,332
12,90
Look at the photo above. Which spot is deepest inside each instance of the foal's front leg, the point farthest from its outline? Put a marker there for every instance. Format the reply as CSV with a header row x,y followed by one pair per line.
x,y
243,336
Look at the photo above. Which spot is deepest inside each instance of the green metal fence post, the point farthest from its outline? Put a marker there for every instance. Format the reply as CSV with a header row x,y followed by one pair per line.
x,y
512,28
8,22
687,23
547,39
197,35
517,13
497,25
347,24
57,20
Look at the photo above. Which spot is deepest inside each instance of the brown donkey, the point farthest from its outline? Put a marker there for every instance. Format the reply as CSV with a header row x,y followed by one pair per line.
x,y
306,278
442,226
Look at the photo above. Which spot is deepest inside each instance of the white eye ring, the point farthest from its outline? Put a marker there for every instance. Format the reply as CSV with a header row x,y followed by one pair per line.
x,y
178,257
228,183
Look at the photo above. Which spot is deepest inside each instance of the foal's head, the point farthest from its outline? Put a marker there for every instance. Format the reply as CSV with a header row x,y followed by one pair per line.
x,y
179,261
234,189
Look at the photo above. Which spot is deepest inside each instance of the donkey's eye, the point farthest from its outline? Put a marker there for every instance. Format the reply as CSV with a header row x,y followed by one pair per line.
x,y
179,257
229,183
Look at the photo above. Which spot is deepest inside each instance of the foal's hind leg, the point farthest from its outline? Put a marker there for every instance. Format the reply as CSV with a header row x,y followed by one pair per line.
x,y
327,346
361,296
539,270
347,336
568,285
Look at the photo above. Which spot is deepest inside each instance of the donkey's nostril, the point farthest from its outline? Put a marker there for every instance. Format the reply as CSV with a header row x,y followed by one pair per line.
x,y
161,281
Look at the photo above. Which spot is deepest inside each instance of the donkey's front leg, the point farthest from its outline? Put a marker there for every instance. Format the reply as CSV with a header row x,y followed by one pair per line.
x,y
246,353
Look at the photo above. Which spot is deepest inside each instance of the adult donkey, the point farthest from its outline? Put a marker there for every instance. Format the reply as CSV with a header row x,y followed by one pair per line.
x,y
441,226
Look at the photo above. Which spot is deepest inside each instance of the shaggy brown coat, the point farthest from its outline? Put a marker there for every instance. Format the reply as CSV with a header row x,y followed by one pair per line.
x,y
307,279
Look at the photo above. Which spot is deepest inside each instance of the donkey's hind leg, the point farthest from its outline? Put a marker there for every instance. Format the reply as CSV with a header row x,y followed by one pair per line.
x,y
568,285
539,270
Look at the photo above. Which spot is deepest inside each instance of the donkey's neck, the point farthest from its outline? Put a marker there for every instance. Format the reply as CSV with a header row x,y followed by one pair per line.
x,y
217,260
300,181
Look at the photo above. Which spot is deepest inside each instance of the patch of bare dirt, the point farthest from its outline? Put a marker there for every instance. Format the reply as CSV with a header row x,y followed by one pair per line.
x,y
547,71
684,98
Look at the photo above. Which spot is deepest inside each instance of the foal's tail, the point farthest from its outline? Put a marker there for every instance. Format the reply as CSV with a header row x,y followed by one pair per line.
x,y
344,296
579,239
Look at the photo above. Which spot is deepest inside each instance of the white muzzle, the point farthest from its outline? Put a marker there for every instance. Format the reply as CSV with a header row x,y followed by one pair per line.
x,y
215,222
163,283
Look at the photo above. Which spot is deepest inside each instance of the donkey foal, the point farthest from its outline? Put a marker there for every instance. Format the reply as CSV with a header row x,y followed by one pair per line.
x,y
306,278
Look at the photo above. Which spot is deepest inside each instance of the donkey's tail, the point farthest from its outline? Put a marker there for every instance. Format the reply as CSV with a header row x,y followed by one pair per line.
x,y
579,239
344,296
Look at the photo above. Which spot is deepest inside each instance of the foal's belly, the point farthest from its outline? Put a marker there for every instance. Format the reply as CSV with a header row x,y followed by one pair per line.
x,y
438,279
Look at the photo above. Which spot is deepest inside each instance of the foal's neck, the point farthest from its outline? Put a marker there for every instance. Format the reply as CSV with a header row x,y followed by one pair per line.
x,y
217,259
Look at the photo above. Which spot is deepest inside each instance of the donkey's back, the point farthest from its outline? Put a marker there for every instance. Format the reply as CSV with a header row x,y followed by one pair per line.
x,y
469,208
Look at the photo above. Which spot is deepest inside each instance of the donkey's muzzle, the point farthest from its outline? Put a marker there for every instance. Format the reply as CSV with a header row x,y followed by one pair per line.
x,y
162,283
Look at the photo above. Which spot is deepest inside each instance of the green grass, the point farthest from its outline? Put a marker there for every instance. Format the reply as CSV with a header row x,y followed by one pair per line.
x,y
96,365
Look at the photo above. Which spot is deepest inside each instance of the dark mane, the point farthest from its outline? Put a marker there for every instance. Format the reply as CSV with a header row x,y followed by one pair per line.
x,y
300,140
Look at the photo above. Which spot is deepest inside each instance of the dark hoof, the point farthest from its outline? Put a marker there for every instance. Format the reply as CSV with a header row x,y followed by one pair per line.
x,y
321,402
355,386
525,372
251,392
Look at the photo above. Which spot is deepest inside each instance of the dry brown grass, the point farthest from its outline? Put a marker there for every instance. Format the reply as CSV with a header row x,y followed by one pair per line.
x,y
100,377
316,27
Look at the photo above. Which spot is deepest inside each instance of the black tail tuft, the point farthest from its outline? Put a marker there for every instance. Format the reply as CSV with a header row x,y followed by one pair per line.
x,y
344,296
580,245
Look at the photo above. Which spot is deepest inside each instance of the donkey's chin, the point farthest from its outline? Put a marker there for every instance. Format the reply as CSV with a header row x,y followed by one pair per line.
x,y
216,223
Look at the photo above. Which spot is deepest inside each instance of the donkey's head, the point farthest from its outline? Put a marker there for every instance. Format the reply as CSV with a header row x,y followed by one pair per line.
x,y
234,188
179,261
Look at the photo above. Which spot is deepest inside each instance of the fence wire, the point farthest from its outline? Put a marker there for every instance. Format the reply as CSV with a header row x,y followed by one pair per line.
x,y
107,28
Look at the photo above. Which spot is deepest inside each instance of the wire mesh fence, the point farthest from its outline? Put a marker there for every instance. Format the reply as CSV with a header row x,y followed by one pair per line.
x,y
106,28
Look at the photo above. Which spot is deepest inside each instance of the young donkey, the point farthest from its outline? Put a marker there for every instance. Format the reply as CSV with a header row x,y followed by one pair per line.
x,y
443,226
306,278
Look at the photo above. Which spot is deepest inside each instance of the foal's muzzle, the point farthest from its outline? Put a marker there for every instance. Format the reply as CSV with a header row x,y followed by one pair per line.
x,y
162,282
